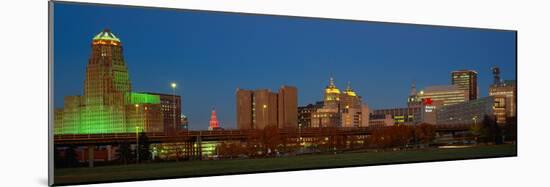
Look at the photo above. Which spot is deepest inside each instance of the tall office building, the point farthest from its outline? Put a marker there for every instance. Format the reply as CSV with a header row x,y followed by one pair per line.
x,y
246,109
305,114
466,80
413,100
107,81
340,109
171,111
288,107
145,113
447,94
261,108
329,115
108,105
332,94
505,94
351,108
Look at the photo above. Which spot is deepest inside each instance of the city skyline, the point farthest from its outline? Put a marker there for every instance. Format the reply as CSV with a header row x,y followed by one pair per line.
x,y
251,58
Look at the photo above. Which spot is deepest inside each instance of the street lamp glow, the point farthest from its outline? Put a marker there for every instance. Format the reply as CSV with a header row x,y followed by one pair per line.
x,y
173,85
265,106
137,105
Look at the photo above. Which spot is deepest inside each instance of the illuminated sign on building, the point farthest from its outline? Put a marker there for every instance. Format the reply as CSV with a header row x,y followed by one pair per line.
x,y
429,108
427,101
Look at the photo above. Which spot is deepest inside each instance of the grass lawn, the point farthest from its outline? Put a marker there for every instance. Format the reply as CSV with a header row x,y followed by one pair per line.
x,y
219,167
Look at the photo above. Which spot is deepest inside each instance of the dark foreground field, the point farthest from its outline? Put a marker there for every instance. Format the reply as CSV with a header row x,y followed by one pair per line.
x,y
218,167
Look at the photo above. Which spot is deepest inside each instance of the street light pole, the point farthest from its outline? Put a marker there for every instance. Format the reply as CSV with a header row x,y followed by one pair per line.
x,y
137,135
137,147
174,105
263,115
300,134
475,126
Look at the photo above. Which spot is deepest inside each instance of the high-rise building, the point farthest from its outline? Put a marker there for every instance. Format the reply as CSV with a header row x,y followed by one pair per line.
x,y
145,112
107,81
340,109
326,117
288,107
261,108
329,115
171,111
332,94
365,115
351,108
108,105
466,80
246,109
504,93
447,94
305,114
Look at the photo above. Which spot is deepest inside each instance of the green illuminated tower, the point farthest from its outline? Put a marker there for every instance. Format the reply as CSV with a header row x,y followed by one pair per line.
x,y
108,105
106,87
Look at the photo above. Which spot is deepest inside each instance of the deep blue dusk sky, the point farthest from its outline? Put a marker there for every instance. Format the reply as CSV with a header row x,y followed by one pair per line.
x,y
210,54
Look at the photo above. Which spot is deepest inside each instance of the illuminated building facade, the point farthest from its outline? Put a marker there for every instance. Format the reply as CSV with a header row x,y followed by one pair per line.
x,y
466,80
171,111
144,111
447,94
381,120
421,108
332,94
305,114
257,109
105,88
505,93
329,115
326,117
108,105
470,112
351,108
214,124
340,109
400,116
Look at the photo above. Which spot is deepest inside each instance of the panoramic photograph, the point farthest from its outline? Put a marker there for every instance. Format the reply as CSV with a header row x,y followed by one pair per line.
x,y
153,93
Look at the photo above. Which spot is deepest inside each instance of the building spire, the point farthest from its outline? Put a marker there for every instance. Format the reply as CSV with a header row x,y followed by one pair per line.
x,y
331,82
214,124
348,88
413,88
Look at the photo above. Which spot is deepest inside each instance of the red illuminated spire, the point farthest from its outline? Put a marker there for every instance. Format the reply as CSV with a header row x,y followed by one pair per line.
x,y
214,124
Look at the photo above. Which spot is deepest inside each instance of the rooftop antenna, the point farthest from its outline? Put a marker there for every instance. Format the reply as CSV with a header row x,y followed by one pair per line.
x,y
496,75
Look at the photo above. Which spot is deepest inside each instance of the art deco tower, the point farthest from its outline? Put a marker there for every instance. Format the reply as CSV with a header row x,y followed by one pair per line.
x,y
332,93
106,86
